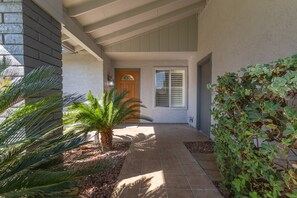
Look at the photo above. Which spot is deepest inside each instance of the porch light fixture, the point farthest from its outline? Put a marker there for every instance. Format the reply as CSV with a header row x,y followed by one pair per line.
x,y
109,82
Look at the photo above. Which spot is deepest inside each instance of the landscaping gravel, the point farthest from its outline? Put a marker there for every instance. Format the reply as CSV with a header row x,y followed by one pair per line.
x,y
100,184
200,147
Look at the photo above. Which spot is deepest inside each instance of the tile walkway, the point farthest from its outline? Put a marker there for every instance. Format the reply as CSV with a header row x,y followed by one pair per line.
x,y
159,165
207,162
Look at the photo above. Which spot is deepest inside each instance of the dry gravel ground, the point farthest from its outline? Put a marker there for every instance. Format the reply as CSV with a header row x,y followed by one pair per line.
x,y
200,147
102,183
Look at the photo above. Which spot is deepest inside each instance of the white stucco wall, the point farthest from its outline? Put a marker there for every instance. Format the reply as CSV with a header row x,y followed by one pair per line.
x,y
147,68
82,73
242,32
107,70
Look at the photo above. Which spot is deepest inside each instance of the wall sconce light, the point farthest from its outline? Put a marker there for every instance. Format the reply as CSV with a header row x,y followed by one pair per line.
x,y
110,82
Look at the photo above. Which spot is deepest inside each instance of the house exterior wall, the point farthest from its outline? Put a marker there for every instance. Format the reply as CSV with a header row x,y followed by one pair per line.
x,y
52,7
82,73
107,70
11,35
29,39
147,69
174,37
42,39
240,33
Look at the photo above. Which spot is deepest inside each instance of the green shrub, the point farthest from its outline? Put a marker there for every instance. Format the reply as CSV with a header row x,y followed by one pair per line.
x,y
256,129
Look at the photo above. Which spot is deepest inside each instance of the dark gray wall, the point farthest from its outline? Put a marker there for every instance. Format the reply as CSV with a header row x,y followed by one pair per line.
x,y
204,97
42,38
30,38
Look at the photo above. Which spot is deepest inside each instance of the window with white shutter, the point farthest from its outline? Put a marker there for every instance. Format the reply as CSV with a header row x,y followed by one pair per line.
x,y
170,86
162,88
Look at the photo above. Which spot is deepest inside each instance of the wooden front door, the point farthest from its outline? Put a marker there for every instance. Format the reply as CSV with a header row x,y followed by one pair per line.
x,y
128,79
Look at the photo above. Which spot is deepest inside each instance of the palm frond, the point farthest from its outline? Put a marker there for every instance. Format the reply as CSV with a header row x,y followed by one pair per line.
x,y
36,82
63,189
28,139
103,115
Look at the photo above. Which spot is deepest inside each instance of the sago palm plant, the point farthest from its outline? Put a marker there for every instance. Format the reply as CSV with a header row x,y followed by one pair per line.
x,y
103,115
29,143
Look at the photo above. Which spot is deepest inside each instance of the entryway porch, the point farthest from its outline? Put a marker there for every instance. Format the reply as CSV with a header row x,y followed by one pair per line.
x,y
159,164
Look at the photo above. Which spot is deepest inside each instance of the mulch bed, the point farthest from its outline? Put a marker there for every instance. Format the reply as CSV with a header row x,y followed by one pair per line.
x,y
200,147
102,183
205,147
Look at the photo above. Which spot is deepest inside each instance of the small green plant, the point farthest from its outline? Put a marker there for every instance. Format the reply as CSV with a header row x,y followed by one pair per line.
x,y
256,129
30,142
103,115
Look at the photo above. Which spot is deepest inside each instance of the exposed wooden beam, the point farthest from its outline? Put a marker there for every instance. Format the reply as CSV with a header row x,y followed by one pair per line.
x,y
127,14
75,32
149,22
87,7
78,48
69,47
65,38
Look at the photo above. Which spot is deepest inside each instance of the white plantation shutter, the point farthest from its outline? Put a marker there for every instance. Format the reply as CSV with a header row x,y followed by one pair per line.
x,y
177,88
170,88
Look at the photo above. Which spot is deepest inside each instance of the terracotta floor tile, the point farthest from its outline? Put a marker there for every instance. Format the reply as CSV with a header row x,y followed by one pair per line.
x,y
169,161
176,182
159,165
130,182
131,162
149,166
186,159
192,169
180,193
173,168
156,193
200,182
207,193
214,175
151,155
130,169
166,153
153,180
204,156
166,158
208,165
138,155
183,152
126,193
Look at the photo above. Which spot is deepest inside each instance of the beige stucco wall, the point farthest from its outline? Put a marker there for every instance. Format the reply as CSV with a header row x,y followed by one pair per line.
x,y
82,73
242,32
147,69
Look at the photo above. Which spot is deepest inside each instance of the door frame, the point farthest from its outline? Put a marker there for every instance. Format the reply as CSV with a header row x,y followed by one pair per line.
x,y
131,69
204,60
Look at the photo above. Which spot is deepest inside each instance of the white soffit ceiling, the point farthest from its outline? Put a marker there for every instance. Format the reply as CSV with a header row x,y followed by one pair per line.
x,y
123,19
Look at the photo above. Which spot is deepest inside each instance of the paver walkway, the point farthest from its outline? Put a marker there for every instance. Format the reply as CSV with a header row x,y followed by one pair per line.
x,y
159,165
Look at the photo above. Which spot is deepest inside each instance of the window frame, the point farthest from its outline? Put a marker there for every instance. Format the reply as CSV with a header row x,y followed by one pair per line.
x,y
185,86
